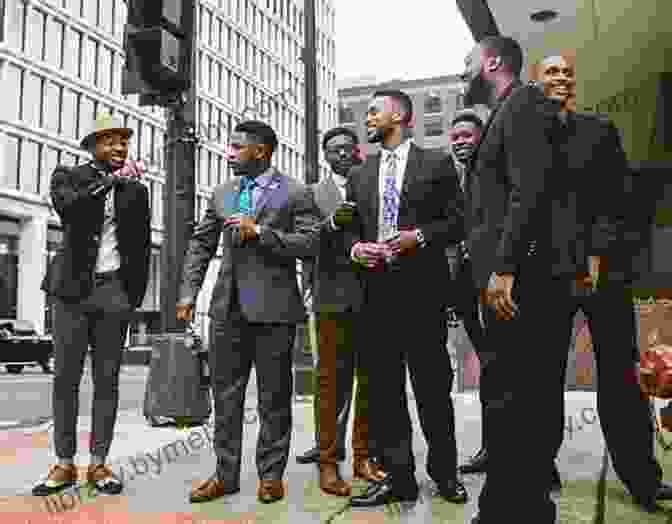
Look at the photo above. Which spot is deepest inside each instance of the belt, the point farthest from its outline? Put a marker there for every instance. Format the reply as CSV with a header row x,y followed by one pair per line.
x,y
106,275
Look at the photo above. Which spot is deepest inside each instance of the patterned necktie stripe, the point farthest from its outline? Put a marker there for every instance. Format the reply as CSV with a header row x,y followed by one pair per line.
x,y
390,196
245,203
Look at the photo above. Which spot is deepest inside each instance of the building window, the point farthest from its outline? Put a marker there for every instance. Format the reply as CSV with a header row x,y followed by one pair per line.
x,y
30,165
434,128
9,176
9,274
433,104
345,114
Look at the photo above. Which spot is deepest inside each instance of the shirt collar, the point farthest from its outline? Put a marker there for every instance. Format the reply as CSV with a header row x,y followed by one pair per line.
x,y
401,151
339,180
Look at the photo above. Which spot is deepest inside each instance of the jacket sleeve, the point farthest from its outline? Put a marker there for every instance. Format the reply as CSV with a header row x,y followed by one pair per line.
x,y
71,198
609,219
528,127
353,234
302,242
202,248
448,224
146,236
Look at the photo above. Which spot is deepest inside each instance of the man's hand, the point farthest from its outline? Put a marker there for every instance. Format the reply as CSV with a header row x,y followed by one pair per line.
x,y
589,280
344,215
405,242
369,254
184,312
245,224
499,296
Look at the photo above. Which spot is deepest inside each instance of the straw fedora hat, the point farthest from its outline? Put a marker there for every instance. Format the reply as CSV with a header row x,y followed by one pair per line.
x,y
105,123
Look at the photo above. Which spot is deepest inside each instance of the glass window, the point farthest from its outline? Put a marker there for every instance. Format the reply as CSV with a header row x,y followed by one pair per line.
x,y
50,162
35,34
434,128
12,82
147,137
88,65
52,107
91,11
433,104
9,173
28,174
16,12
104,69
69,114
157,204
107,8
9,273
55,48
33,96
86,115
71,51
229,45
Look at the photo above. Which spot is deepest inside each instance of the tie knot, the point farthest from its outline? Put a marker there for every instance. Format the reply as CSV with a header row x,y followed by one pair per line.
x,y
247,182
391,157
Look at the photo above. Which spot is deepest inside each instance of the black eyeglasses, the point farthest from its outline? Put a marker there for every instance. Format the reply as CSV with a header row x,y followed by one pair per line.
x,y
337,150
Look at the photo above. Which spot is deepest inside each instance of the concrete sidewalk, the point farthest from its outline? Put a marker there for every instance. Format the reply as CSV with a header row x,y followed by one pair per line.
x,y
160,465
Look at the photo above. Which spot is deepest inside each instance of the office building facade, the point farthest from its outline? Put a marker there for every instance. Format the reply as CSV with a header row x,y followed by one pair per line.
x,y
61,64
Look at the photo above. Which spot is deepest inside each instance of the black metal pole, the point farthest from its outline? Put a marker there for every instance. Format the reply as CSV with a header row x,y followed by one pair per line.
x,y
311,107
179,195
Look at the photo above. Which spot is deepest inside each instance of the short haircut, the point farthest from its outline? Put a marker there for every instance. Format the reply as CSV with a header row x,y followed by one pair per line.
x,y
508,49
338,131
466,115
260,131
402,99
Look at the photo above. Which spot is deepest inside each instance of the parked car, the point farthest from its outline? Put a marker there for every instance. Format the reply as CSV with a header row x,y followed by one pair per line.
x,y
21,345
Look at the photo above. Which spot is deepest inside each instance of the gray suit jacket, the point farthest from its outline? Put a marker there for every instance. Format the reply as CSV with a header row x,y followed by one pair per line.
x,y
336,286
265,268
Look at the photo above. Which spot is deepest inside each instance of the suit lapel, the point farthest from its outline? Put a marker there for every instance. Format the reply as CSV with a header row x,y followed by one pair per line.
x,y
372,180
412,170
267,192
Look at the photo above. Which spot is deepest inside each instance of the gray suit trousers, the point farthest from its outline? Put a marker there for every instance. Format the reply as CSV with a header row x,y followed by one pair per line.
x,y
99,321
239,344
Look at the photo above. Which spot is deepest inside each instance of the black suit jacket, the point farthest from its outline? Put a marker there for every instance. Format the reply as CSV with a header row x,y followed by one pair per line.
x,y
70,274
336,286
431,200
517,190
599,167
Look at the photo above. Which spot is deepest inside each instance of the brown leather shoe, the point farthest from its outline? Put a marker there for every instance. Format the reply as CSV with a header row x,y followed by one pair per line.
x,y
104,479
270,491
367,470
211,489
331,481
60,477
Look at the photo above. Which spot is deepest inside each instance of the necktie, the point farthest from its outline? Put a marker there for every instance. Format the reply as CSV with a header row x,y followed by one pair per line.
x,y
245,201
390,198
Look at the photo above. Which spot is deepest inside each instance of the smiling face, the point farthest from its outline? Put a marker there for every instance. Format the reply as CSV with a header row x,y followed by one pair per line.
x,y
475,75
558,79
112,148
464,137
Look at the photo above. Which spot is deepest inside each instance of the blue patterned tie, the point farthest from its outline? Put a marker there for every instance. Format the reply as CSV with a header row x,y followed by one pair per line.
x,y
245,200
390,198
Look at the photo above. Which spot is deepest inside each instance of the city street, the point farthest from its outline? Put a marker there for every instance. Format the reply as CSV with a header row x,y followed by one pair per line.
x,y
27,397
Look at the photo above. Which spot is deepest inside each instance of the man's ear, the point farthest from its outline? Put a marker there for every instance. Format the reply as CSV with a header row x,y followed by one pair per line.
x,y
492,63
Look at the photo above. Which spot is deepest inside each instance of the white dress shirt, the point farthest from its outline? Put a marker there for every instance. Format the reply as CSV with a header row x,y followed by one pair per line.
x,y
340,182
401,153
108,250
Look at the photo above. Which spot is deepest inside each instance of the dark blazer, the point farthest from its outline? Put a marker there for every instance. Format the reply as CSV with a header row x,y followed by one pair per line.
x,y
515,189
70,274
264,269
431,200
597,163
337,287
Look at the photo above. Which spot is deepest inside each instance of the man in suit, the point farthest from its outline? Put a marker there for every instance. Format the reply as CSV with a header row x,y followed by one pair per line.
x,y
598,164
465,135
337,298
522,226
409,209
98,277
266,221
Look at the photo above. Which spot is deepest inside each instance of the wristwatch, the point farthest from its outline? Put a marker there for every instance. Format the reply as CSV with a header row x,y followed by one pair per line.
x,y
420,237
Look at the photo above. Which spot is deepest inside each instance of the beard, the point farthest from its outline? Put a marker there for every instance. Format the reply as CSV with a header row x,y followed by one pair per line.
x,y
478,92
463,152
250,167
375,135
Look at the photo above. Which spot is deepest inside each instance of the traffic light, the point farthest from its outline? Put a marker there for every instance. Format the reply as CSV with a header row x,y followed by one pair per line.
x,y
158,41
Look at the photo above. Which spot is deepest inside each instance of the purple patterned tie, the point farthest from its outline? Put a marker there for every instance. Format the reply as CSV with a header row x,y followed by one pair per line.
x,y
390,198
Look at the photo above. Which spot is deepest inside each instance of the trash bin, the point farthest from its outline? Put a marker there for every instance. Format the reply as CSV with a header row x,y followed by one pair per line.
x,y
178,387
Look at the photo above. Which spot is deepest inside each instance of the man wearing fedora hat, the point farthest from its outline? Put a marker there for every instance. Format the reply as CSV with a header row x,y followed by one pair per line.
x,y
98,277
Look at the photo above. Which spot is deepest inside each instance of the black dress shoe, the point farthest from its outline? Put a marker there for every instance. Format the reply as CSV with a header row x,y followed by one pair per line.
x,y
476,464
381,493
453,491
312,456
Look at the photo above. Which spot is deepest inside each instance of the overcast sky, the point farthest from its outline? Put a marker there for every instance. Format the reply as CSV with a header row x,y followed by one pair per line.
x,y
432,40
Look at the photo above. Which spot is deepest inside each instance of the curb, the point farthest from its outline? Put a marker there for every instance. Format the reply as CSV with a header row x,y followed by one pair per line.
x,y
37,424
